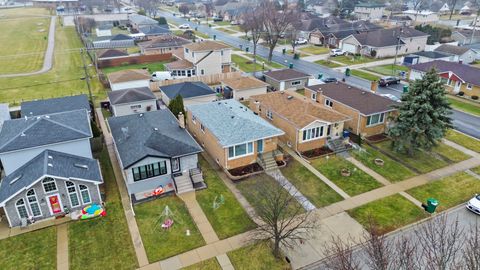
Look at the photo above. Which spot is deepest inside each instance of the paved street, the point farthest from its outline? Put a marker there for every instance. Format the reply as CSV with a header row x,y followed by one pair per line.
x,y
463,122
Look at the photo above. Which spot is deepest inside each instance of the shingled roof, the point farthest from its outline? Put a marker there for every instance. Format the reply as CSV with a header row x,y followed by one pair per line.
x,y
128,75
465,72
130,95
206,45
387,37
286,74
244,83
54,105
187,90
166,41
452,49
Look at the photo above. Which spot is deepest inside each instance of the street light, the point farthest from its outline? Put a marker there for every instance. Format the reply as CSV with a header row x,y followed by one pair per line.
x,y
263,65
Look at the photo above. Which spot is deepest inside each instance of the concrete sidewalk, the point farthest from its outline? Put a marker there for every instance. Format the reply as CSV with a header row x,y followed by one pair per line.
x,y
62,247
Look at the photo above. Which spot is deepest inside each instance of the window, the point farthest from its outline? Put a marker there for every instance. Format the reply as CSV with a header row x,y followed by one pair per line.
x,y
469,86
72,194
21,209
296,82
194,119
49,185
202,128
269,115
202,72
375,119
33,203
150,170
314,96
221,52
240,150
193,72
133,107
85,194
328,102
312,133
186,50
193,54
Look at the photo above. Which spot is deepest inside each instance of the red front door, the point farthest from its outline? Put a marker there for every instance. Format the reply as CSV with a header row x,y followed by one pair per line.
x,y
55,204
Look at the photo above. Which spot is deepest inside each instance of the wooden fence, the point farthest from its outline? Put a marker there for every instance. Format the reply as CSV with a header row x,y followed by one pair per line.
x,y
207,79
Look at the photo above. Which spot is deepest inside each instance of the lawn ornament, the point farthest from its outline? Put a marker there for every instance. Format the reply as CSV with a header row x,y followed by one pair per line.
x,y
90,211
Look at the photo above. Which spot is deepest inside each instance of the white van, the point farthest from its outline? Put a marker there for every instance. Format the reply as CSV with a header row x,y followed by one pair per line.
x,y
161,76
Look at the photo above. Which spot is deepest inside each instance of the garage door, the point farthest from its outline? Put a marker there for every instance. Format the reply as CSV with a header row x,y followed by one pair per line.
x,y
351,48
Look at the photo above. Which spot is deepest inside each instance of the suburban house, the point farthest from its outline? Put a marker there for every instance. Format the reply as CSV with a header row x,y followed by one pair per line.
x,y
369,112
242,88
423,57
162,44
307,125
421,16
459,54
369,11
457,77
232,134
202,58
137,21
104,30
49,170
55,105
385,42
191,92
399,20
151,31
111,54
286,79
129,78
156,154
464,37
111,42
131,101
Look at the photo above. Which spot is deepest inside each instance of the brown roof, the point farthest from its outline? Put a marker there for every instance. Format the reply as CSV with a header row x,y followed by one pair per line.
x,y
286,74
165,41
244,83
128,75
363,101
179,64
298,111
206,45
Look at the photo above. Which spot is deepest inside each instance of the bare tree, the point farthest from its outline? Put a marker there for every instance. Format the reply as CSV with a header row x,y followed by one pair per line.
x,y
339,256
253,24
292,36
452,4
440,242
284,222
471,251
150,7
184,9
377,247
406,254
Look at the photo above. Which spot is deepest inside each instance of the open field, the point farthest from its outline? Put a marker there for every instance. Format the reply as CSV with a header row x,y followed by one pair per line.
x,y
23,12
467,107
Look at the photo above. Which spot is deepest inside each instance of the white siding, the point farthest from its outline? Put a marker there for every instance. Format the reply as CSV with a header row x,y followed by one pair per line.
x,y
126,109
245,94
414,75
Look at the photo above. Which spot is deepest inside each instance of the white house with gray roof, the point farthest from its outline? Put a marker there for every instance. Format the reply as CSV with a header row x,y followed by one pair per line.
x,y
157,155
131,101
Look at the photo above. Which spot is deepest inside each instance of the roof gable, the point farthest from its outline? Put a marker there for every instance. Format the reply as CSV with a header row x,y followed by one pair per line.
x,y
468,73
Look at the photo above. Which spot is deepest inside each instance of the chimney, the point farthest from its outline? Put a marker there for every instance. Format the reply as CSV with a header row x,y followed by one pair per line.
x,y
181,120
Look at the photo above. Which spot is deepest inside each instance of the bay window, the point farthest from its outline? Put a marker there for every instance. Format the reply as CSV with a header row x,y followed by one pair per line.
x,y
375,119
240,150
312,133
149,170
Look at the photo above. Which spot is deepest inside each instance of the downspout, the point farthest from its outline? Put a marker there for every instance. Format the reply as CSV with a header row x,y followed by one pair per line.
x,y
358,124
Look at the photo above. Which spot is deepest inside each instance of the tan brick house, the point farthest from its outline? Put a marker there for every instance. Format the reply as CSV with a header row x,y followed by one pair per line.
x,y
231,133
369,112
307,125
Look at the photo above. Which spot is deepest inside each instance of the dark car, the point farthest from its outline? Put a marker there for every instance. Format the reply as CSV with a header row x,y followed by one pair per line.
x,y
386,81
329,80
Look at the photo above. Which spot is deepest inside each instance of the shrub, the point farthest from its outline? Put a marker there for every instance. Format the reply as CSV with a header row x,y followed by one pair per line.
x,y
475,97
461,93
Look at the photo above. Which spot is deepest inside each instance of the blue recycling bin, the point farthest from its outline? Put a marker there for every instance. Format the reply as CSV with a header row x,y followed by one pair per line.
x,y
346,134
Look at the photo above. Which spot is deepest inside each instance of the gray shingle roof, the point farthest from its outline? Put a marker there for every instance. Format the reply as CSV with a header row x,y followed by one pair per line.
x,y
130,95
36,131
55,105
286,74
155,29
432,54
386,37
452,49
155,133
466,72
187,90
61,165
232,122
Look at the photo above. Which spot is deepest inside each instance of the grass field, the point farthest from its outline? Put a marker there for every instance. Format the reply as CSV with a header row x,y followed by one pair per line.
x,y
315,50
64,78
258,257
152,67
210,264
364,75
465,106
450,153
476,170
388,213
354,60
327,63
33,250
91,243
387,69
463,140
230,218
246,64
226,30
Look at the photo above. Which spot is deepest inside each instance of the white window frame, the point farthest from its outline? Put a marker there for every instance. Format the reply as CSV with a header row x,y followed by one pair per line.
x,y
269,114
202,128
74,192
88,192
469,86
22,205
54,181
314,96
35,202
296,82
328,102
310,131
247,153
194,119
381,119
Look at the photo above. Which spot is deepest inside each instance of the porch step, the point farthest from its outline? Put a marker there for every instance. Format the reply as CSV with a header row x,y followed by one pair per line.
x,y
337,145
267,161
183,183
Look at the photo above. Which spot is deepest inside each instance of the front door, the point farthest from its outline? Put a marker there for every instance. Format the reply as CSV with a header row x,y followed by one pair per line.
x,y
55,205
175,164
260,146
457,86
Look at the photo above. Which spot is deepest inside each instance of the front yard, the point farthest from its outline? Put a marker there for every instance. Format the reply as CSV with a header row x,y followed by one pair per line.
x,y
463,140
160,243
33,250
309,184
364,75
210,264
387,69
256,256
465,106
354,60
391,170
388,213
245,64
229,218
315,50
327,63
358,182
449,191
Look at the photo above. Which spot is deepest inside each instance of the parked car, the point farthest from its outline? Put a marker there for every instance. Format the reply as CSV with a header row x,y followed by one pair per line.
x,y
386,81
337,52
392,97
474,204
301,41
330,80
184,26
217,19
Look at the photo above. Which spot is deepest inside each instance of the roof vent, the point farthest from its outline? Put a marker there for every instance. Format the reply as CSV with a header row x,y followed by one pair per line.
x,y
82,166
50,165
23,134
38,117
140,115
47,116
363,93
16,179
349,87
156,129
26,118
125,132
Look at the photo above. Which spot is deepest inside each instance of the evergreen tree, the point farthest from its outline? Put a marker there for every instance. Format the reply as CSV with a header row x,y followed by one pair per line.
x,y
423,115
176,105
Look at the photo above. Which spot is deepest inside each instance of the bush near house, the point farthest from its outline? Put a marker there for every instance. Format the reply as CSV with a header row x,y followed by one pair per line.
x,y
436,34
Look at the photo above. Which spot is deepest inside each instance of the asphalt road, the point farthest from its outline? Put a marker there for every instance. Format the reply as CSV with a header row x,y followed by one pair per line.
x,y
463,122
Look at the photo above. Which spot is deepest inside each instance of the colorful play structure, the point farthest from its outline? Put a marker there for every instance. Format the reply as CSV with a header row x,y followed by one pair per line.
x,y
166,218
88,212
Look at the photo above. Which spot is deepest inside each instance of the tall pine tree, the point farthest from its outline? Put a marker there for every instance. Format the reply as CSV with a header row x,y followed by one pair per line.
x,y
423,115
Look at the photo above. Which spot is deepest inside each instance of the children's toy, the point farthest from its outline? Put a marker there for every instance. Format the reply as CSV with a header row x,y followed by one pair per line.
x,y
91,211
167,224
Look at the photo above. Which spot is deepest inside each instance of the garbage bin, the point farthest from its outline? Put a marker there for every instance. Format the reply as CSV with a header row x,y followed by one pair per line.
x,y
346,134
320,75
290,66
247,49
296,56
431,205
284,51
214,37
347,72
405,88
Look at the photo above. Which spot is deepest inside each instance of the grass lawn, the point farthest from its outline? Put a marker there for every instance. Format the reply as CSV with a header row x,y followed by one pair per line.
x,y
22,44
246,64
159,243
133,50
226,30
301,92
463,140
310,185
152,67
358,182
364,75
64,78
327,63
257,256
201,34
210,264
7,13
422,161
387,69
476,170
230,218
222,23
315,50
391,170
465,106
271,64
450,153
449,191
301,54
91,243
33,250
354,60
388,213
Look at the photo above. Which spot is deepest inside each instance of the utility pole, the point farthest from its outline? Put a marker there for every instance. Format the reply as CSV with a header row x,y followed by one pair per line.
x,y
396,51
87,80
474,27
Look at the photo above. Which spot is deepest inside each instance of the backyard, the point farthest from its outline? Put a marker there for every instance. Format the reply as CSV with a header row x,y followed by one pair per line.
x,y
387,69
463,140
358,182
468,107
256,256
92,242
160,243
152,67
229,218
